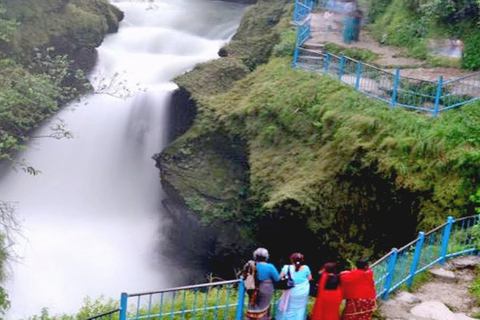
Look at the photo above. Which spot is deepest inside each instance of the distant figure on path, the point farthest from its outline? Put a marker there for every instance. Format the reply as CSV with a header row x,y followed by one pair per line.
x,y
349,27
293,302
328,20
357,24
260,298
359,290
329,294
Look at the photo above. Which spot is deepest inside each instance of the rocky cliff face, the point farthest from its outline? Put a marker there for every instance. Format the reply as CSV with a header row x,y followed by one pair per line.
x,y
205,170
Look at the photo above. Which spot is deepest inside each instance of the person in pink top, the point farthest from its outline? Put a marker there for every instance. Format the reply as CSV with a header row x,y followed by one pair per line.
x,y
358,289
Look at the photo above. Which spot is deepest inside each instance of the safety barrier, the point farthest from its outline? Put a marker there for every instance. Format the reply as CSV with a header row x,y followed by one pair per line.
x,y
227,299
400,266
427,96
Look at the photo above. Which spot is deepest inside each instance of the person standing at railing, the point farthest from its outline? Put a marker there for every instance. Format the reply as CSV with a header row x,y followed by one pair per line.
x,y
358,289
329,294
260,298
293,302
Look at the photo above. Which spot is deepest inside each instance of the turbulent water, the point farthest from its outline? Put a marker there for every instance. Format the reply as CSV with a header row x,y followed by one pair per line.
x,y
91,218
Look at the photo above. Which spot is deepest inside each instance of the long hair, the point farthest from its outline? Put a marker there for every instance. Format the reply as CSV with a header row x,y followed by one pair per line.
x,y
297,259
333,279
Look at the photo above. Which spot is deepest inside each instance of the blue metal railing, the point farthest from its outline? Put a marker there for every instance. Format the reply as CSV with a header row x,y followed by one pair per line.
x,y
451,239
226,299
427,96
216,300
302,11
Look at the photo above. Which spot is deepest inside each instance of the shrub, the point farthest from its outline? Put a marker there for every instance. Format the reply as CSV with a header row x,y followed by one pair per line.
x,y
471,52
286,47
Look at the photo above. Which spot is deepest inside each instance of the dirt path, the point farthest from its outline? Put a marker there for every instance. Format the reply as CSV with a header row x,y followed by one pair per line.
x,y
389,57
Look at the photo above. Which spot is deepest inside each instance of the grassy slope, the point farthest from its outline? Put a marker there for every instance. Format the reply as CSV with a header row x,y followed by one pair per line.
x,y
314,143
339,170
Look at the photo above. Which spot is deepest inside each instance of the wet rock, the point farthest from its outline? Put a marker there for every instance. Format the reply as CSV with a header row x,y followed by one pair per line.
x,y
407,297
446,275
434,310
465,262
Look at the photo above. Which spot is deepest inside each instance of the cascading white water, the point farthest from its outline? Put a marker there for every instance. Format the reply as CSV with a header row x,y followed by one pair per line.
x,y
91,217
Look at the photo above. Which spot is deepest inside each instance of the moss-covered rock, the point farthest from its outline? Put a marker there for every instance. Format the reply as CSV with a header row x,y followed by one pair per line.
x,y
71,27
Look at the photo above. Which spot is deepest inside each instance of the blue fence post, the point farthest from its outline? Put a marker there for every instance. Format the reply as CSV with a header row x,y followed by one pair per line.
x,y
395,88
416,258
340,67
359,73
241,300
295,11
123,306
327,62
390,273
438,96
296,53
446,239
295,57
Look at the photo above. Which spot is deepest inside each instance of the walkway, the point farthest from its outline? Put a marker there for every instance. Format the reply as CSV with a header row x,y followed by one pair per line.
x,y
389,57
445,297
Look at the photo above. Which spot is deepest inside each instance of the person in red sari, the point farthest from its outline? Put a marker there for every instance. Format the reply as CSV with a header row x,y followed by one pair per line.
x,y
329,294
359,291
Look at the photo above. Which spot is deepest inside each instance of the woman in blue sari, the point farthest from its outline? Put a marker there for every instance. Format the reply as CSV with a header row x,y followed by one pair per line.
x,y
293,302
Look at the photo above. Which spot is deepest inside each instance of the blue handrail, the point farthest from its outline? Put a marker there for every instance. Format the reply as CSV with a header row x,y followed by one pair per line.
x,y
226,299
428,96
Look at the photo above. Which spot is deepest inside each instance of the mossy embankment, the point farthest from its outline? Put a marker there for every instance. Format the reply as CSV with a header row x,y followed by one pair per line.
x,y
46,47
73,27
293,160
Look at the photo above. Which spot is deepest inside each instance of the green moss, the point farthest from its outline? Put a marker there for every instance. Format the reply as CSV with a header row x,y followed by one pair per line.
x,y
297,125
64,24
363,55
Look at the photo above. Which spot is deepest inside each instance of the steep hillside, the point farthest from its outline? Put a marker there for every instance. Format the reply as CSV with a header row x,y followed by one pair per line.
x,y
46,46
295,161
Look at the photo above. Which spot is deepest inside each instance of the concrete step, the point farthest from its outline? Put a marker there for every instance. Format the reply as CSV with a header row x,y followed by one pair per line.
x,y
314,46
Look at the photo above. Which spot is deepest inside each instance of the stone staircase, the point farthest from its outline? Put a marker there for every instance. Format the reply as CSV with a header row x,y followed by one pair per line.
x,y
446,297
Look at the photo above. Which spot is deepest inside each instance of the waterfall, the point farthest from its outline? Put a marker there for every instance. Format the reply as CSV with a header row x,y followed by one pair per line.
x,y
90,219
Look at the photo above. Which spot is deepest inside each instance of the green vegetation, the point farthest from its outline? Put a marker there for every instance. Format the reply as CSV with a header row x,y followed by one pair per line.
x,y
207,303
363,55
296,123
475,288
412,24
299,153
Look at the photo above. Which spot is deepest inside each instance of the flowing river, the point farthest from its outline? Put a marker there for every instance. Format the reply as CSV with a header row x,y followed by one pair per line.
x,y
91,218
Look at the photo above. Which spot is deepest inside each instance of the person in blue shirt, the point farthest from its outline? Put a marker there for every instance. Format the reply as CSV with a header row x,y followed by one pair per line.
x,y
293,302
266,275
